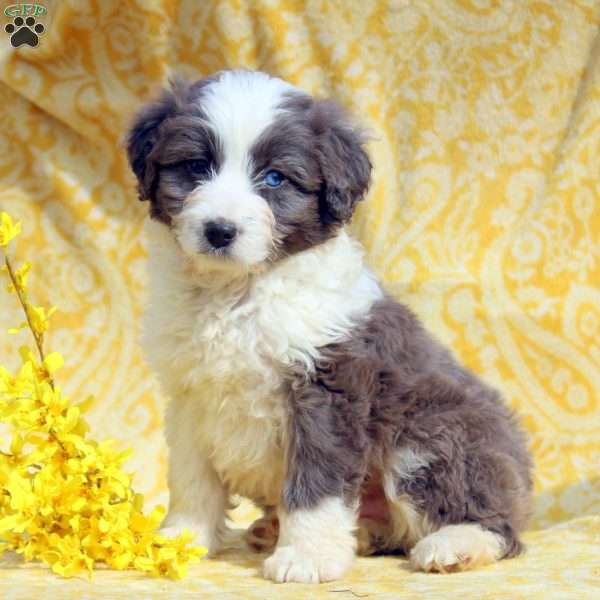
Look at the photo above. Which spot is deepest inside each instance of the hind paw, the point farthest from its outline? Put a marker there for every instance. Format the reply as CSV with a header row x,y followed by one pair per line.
x,y
262,535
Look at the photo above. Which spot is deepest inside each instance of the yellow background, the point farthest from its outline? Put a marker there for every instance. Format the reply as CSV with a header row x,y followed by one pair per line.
x,y
484,216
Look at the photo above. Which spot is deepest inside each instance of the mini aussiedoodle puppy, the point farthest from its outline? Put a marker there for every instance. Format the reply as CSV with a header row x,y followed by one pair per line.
x,y
294,380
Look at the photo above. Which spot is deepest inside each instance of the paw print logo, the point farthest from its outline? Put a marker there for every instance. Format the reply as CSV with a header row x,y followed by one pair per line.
x,y
24,31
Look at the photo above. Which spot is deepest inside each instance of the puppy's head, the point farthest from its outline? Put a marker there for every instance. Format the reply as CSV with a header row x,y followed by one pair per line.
x,y
245,169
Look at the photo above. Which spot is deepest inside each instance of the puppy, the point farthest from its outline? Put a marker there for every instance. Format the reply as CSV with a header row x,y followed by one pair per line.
x,y
294,380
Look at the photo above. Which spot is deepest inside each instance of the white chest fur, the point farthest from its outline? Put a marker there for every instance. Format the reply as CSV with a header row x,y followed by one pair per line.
x,y
220,344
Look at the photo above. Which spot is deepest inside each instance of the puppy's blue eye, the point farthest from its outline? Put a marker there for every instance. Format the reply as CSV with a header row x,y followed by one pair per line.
x,y
273,178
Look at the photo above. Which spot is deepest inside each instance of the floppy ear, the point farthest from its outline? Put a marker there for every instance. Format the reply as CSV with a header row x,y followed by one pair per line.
x,y
345,165
142,138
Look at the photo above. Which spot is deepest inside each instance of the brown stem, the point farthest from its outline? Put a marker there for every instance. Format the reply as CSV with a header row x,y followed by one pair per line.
x,y
37,338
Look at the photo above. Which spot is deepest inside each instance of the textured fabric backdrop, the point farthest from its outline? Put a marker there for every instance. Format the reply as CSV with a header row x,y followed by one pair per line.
x,y
484,216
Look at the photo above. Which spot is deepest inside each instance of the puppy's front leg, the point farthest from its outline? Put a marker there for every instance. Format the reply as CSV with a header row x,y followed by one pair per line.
x,y
317,515
197,497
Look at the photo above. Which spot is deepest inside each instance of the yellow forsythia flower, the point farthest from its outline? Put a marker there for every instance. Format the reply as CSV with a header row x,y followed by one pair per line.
x,y
40,317
8,229
64,498
20,275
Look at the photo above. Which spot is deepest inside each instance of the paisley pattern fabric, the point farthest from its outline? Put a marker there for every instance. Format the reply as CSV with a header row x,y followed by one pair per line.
x,y
484,216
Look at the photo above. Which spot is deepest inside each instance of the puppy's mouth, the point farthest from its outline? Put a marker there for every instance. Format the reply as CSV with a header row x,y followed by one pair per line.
x,y
218,255
225,254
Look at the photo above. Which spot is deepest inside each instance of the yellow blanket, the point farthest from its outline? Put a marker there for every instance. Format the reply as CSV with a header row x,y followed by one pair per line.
x,y
484,216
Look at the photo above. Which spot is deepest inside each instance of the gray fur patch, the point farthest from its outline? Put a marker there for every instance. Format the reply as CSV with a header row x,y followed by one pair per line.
x,y
389,386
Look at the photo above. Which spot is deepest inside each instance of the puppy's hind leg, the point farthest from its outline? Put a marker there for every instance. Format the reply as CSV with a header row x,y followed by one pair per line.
x,y
464,466
457,548
444,549
496,494
262,535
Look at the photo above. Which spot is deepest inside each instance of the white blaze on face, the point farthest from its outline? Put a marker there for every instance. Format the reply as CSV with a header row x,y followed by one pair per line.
x,y
239,106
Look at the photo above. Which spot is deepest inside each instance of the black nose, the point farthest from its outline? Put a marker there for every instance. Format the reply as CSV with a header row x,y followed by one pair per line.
x,y
220,233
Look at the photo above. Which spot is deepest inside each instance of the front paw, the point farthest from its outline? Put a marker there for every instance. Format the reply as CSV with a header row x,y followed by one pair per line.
x,y
203,535
289,563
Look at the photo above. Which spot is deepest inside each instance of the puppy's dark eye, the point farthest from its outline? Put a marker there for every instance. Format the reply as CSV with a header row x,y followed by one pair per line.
x,y
273,178
198,168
